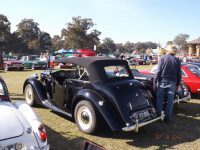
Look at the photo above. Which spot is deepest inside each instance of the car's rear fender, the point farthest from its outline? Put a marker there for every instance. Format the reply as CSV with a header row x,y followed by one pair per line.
x,y
100,106
39,90
32,118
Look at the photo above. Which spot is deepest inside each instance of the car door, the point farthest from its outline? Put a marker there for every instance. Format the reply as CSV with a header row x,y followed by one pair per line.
x,y
58,88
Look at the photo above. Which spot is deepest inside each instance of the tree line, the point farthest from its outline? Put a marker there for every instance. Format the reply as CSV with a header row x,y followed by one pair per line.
x,y
79,33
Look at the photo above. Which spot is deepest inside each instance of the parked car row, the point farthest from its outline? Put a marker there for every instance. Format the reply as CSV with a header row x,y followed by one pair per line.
x,y
94,91
26,62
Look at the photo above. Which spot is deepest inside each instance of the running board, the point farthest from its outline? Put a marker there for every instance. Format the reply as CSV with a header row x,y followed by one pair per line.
x,y
51,106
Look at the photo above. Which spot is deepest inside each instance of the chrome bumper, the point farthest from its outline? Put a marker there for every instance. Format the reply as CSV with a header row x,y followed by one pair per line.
x,y
185,99
138,125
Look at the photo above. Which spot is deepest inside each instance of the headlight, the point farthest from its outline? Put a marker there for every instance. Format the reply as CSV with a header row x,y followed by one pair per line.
x,y
35,75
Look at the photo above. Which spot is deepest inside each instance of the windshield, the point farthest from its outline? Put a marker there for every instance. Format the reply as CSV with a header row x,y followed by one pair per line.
x,y
194,70
114,72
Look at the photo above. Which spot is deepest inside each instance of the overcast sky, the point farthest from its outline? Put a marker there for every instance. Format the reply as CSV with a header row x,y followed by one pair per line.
x,y
120,20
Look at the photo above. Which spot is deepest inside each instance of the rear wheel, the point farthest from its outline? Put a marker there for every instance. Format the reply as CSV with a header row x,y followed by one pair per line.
x,y
29,95
86,117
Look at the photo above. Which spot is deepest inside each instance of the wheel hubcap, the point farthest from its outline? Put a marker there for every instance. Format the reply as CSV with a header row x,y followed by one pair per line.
x,y
29,95
84,117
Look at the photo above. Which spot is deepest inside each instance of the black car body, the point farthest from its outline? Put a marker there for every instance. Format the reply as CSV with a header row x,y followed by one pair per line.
x,y
92,91
182,94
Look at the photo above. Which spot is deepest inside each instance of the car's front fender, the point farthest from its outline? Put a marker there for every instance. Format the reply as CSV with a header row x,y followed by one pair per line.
x,y
39,90
100,105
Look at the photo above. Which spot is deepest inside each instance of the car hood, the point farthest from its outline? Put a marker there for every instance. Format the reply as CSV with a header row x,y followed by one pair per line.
x,y
126,96
10,125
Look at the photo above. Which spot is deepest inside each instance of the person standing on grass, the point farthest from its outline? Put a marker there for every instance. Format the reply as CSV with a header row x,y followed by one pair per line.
x,y
167,77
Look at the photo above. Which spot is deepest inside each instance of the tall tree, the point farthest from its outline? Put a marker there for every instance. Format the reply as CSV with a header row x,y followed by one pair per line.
x,y
45,41
4,32
108,46
129,47
76,33
181,41
16,44
120,47
57,42
29,32
169,43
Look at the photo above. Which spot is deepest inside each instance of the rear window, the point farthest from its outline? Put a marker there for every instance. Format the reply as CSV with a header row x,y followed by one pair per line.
x,y
115,72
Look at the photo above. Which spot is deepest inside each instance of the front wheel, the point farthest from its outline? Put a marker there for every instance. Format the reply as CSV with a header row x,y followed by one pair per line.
x,y
29,95
86,117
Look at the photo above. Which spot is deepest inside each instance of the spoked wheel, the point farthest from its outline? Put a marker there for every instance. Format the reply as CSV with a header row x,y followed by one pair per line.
x,y
29,95
85,117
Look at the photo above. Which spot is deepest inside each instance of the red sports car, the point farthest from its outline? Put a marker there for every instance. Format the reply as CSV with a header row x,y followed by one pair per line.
x,y
86,52
190,77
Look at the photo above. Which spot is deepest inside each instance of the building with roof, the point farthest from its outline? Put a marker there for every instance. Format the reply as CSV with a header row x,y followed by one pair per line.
x,y
194,47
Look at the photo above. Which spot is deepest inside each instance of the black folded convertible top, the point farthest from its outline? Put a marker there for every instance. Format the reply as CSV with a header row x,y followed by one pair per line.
x,y
95,65
86,61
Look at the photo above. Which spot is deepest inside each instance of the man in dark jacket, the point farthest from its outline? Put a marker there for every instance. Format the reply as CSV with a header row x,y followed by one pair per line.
x,y
167,77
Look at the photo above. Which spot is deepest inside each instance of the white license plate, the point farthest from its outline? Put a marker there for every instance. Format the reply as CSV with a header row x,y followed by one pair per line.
x,y
143,114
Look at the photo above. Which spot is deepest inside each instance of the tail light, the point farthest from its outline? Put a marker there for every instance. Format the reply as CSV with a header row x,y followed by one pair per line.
x,y
42,133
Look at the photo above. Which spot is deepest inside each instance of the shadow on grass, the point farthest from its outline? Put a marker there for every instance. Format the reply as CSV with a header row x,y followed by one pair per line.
x,y
195,96
66,142
25,70
185,127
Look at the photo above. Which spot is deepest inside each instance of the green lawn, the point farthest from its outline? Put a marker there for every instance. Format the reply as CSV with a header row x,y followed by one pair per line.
x,y
183,133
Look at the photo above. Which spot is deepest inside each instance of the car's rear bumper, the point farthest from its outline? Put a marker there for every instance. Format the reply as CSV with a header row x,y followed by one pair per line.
x,y
138,125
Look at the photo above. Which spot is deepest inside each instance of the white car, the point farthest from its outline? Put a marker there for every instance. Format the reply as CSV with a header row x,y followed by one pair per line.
x,y
20,127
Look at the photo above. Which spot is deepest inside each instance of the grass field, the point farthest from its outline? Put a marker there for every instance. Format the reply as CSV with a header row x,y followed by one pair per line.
x,y
183,133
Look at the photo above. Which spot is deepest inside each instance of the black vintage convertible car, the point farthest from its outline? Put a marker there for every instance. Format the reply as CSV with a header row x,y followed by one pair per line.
x,y
92,91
